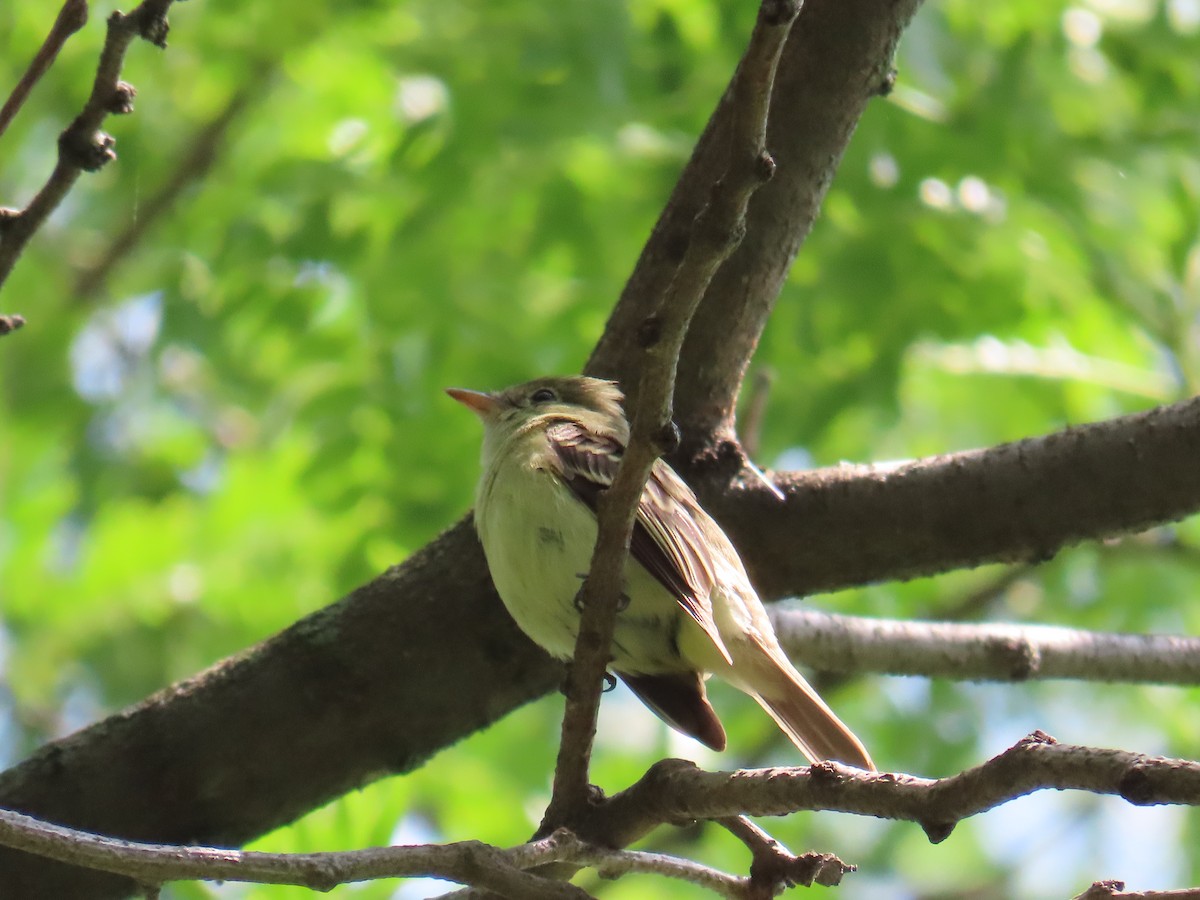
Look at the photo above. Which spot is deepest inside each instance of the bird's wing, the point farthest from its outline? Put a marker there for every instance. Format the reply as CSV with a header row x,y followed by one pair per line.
x,y
666,540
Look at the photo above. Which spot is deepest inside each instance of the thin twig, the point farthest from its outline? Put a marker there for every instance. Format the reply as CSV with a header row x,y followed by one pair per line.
x,y
82,147
71,18
716,232
467,862
774,868
993,651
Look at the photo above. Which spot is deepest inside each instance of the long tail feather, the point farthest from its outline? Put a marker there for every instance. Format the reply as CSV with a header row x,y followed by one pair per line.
x,y
797,709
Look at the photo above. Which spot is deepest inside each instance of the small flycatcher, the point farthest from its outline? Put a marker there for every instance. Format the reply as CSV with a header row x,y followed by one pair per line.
x,y
550,447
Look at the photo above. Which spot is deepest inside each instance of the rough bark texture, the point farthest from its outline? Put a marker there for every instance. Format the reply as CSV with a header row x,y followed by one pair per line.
x,y
1017,502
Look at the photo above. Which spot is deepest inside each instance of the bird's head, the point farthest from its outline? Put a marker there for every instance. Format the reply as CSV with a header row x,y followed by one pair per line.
x,y
593,401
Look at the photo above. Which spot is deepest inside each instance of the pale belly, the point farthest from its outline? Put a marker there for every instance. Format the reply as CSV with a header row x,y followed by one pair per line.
x,y
538,539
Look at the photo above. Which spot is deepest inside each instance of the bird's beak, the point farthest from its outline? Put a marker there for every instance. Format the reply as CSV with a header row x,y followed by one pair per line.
x,y
483,405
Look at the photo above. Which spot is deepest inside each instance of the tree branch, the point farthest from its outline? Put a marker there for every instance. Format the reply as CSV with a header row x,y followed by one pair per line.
x,y
466,862
671,792
313,712
82,147
717,229
773,867
676,791
838,55
995,651
71,18
1017,502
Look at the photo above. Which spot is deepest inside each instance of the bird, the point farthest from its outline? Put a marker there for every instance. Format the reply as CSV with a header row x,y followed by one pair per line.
x,y
550,447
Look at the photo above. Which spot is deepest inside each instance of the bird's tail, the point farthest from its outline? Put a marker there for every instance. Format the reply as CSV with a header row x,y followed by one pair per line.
x,y
799,712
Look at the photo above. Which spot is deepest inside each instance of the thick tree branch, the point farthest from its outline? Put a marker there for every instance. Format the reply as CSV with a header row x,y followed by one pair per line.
x,y
716,231
1017,502
82,147
995,651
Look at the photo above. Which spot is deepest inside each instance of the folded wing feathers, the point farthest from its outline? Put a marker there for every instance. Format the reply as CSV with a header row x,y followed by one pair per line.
x,y
666,539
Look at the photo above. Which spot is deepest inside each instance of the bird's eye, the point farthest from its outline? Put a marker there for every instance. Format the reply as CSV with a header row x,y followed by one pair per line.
x,y
542,395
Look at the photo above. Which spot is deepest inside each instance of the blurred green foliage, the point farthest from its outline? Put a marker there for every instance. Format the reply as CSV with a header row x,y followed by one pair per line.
x,y
244,419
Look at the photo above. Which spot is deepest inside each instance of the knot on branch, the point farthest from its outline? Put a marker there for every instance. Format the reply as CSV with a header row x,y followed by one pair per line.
x,y
1035,738
121,103
11,323
764,166
1019,658
779,12
152,25
650,331
777,869
666,769
887,84
667,438
1138,785
1102,890
937,831
89,152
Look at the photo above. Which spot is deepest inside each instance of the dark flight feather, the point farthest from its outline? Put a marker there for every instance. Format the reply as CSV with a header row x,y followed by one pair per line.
x,y
680,700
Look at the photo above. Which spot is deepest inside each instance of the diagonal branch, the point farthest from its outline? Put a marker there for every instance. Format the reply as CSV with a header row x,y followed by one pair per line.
x,y
82,147
837,49
716,231
71,18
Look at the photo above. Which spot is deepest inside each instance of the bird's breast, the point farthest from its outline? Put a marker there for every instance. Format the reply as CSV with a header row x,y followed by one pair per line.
x,y
538,538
